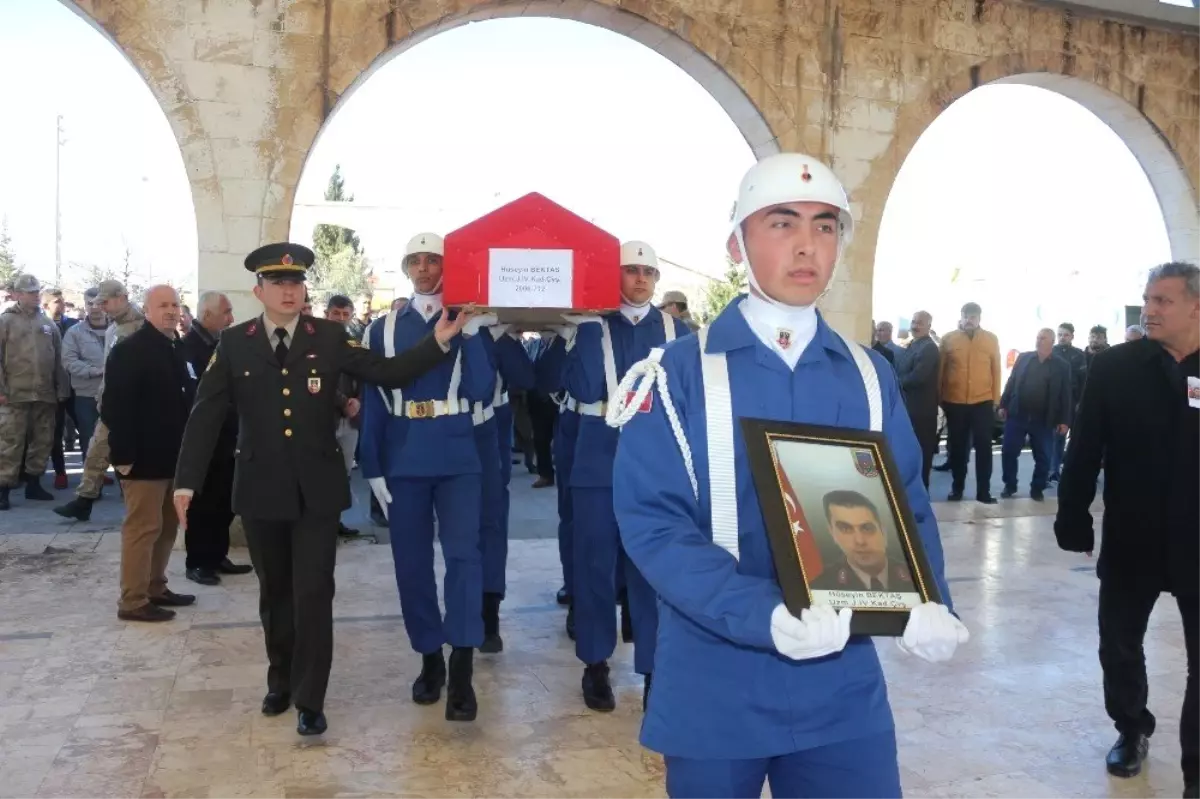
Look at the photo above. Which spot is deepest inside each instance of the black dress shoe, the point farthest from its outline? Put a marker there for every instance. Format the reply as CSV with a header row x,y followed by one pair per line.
x,y
1008,493
986,499
229,567
942,467
955,496
492,642
563,597
310,722
427,689
1126,757
276,702
597,691
170,599
461,704
203,576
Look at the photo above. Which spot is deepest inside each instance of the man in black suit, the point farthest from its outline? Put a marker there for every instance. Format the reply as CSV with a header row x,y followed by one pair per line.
x,y
1140,417
1035,405
855,527
210,514
918,375
281,372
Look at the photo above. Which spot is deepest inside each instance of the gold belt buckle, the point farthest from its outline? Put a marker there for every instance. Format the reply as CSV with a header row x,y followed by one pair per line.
x,y
421,410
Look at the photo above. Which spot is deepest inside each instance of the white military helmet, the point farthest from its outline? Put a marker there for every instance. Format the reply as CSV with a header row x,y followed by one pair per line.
x,y
425,242
790,178
638,253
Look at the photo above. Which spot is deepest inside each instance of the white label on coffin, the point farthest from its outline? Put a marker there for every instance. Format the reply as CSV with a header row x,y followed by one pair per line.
x,y
530,278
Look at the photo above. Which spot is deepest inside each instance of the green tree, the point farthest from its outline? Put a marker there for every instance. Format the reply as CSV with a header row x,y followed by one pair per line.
x,y
8,259
724,291
341,266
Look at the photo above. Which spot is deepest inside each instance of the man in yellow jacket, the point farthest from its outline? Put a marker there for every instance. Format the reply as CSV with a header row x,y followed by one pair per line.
x,y
970,391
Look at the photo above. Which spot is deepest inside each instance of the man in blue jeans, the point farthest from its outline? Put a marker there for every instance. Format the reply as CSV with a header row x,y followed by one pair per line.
x,y
1035,405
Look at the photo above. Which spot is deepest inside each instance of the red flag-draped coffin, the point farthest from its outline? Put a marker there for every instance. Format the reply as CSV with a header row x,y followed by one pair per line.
x,y
532,258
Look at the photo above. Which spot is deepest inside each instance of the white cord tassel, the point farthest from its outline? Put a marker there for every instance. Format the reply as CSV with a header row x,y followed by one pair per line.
x,y
620,411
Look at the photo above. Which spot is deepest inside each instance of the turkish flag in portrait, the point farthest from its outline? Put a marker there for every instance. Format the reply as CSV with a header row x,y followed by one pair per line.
x,y
802,534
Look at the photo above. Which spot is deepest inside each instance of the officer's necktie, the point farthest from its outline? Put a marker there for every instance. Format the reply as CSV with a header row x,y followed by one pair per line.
x,y
280,348
876,585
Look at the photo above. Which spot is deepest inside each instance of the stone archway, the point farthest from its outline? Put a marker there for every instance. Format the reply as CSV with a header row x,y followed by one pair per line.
x,y
1163,146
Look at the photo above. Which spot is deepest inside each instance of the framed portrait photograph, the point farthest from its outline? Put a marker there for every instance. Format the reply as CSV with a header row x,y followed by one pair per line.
x,y
839,524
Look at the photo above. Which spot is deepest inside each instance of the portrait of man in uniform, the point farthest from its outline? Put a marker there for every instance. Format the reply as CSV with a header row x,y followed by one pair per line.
x,y
867,546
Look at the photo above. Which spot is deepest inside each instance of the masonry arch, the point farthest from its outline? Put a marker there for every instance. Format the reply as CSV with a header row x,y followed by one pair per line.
x,y
1165,147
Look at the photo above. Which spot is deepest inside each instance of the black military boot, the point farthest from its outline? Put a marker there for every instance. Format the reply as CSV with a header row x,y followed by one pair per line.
x,y
1127,755
34,490
79,509
428,686
597,692
492,642
4,503
460,694
646,691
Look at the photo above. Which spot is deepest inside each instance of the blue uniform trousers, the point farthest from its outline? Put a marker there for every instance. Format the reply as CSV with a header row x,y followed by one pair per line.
x,y
863,768
564,456
1041,441
598,560
410,521
493,538
504,441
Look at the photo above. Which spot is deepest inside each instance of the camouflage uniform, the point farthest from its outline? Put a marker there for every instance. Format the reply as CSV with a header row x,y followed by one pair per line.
x,y
96,463
32,381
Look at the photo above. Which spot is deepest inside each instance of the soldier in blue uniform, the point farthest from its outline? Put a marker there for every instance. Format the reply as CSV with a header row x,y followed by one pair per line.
x,y
548,371
493,434
417,450
745,691
602,350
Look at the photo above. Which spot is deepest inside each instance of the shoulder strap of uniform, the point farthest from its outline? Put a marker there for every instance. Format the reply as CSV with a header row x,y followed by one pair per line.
x,y
870,380
722,473
610,361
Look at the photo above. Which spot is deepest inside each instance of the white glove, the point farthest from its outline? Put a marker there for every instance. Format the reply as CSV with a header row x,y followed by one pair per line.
x,y
819,631
580,319
476,322
380,490
932,633
499,331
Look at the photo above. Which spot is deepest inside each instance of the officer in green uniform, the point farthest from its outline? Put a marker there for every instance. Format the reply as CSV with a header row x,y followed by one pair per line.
x,y
281,372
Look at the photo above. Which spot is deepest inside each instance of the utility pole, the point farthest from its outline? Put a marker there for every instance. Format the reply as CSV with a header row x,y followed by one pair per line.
x,y
58,143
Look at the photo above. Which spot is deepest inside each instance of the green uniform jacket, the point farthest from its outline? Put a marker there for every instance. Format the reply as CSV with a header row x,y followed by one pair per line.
x,y
287,415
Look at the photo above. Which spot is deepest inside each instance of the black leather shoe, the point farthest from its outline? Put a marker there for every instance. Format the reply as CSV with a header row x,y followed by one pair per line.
x,y
203,576
229,567
563,598
1037,496
597,691
170,599
1008,493
461,704
986,499
276,702
492,642
427,689
1126,757
310,722
955,496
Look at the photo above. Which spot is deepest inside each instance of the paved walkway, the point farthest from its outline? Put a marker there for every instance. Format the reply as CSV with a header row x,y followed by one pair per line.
x,y
90,706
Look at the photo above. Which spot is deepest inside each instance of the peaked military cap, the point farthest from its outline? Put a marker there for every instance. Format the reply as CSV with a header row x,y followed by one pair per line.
x,y
283,259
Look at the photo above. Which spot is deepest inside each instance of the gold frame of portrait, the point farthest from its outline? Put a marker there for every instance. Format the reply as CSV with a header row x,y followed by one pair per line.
x,y
761,435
